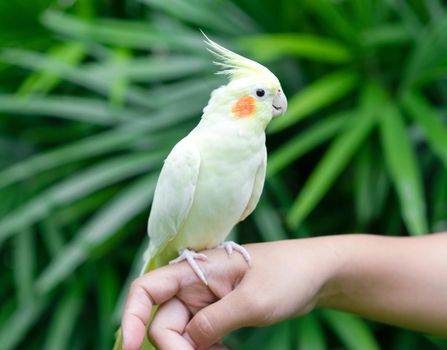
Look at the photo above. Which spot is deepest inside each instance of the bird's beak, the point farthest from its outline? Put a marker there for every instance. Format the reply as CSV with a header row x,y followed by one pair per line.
x,y
279,104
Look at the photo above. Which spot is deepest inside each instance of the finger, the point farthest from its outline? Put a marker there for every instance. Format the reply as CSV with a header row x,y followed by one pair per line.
x,y
168,325
153,288
216,320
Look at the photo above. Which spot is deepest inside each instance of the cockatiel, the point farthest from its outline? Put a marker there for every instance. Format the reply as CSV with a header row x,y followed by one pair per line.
x,y
213,178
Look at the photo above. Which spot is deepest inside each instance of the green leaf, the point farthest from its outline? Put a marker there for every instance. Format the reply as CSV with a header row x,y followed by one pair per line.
x,y
363,184
439,204
268,222
147,69
274,46
256,340
120,33
109,141
371,185
404,170
351,330
108,284
334,19
16,328
310,333
281,337
314,97
42,82
435,8
304,142
82,109
24,265
76,187
439,342
118,82
64,319
77,212
52,235
91,146
362,12
231,19
427,54
333,162
385,35
8,308
409,18
279,190
434,129
432,75
185,90
101,227
76,75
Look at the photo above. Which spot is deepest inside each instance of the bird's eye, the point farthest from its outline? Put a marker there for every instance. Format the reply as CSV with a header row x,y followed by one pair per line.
x,y
260,92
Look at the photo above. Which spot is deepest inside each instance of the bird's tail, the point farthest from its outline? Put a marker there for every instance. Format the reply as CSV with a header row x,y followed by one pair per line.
x,y
150,262
149,265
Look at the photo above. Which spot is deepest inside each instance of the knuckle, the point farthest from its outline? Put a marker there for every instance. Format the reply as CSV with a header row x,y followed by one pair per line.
x,y
139,296
135,284
203,326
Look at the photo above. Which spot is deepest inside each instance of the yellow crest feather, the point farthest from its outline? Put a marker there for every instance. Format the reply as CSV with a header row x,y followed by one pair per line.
x,y
234,65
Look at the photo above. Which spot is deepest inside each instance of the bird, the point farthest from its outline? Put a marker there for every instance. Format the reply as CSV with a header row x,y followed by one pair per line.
x,y
213,178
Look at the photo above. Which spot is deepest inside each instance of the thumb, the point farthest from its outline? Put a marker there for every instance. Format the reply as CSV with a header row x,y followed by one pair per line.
x,y
218,319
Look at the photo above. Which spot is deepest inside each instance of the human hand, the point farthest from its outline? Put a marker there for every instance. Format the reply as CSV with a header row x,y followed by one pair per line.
x,y
285,280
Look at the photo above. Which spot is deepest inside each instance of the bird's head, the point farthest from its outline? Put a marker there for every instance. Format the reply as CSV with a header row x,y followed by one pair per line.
x,y
253,92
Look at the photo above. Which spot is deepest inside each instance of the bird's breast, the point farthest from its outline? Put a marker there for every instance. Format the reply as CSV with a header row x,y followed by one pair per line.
x,y
225,184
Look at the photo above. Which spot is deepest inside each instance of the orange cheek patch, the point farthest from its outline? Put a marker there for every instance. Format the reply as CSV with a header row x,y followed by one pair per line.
x,y
244,107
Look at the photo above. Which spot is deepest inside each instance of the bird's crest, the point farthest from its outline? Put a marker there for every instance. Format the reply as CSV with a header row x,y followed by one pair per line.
x,y
235,66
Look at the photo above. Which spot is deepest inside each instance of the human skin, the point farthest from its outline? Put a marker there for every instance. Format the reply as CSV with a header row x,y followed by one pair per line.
x,y
396,280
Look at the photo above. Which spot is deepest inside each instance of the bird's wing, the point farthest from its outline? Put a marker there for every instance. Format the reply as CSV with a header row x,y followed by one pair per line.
x,y
174,193
257,188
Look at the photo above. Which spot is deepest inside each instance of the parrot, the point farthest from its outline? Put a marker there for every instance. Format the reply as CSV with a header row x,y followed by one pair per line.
x,y
213,178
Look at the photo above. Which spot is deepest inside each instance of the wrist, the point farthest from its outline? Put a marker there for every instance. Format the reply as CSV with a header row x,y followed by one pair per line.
x,y
339,254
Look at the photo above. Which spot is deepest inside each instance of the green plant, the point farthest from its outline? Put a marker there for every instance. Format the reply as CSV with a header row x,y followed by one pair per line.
x,y
91,107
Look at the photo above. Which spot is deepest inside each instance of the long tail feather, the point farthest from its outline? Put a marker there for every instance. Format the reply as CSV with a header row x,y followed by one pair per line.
x,y
119,340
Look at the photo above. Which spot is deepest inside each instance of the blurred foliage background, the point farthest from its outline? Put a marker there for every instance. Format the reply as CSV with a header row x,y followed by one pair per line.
x,y
93,94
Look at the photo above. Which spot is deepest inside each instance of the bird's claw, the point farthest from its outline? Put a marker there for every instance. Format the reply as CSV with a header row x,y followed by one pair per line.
x,y
190,256
230,246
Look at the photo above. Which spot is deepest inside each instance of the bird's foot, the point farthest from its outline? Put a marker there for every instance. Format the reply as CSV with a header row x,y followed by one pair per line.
x,y
191,256
230,246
